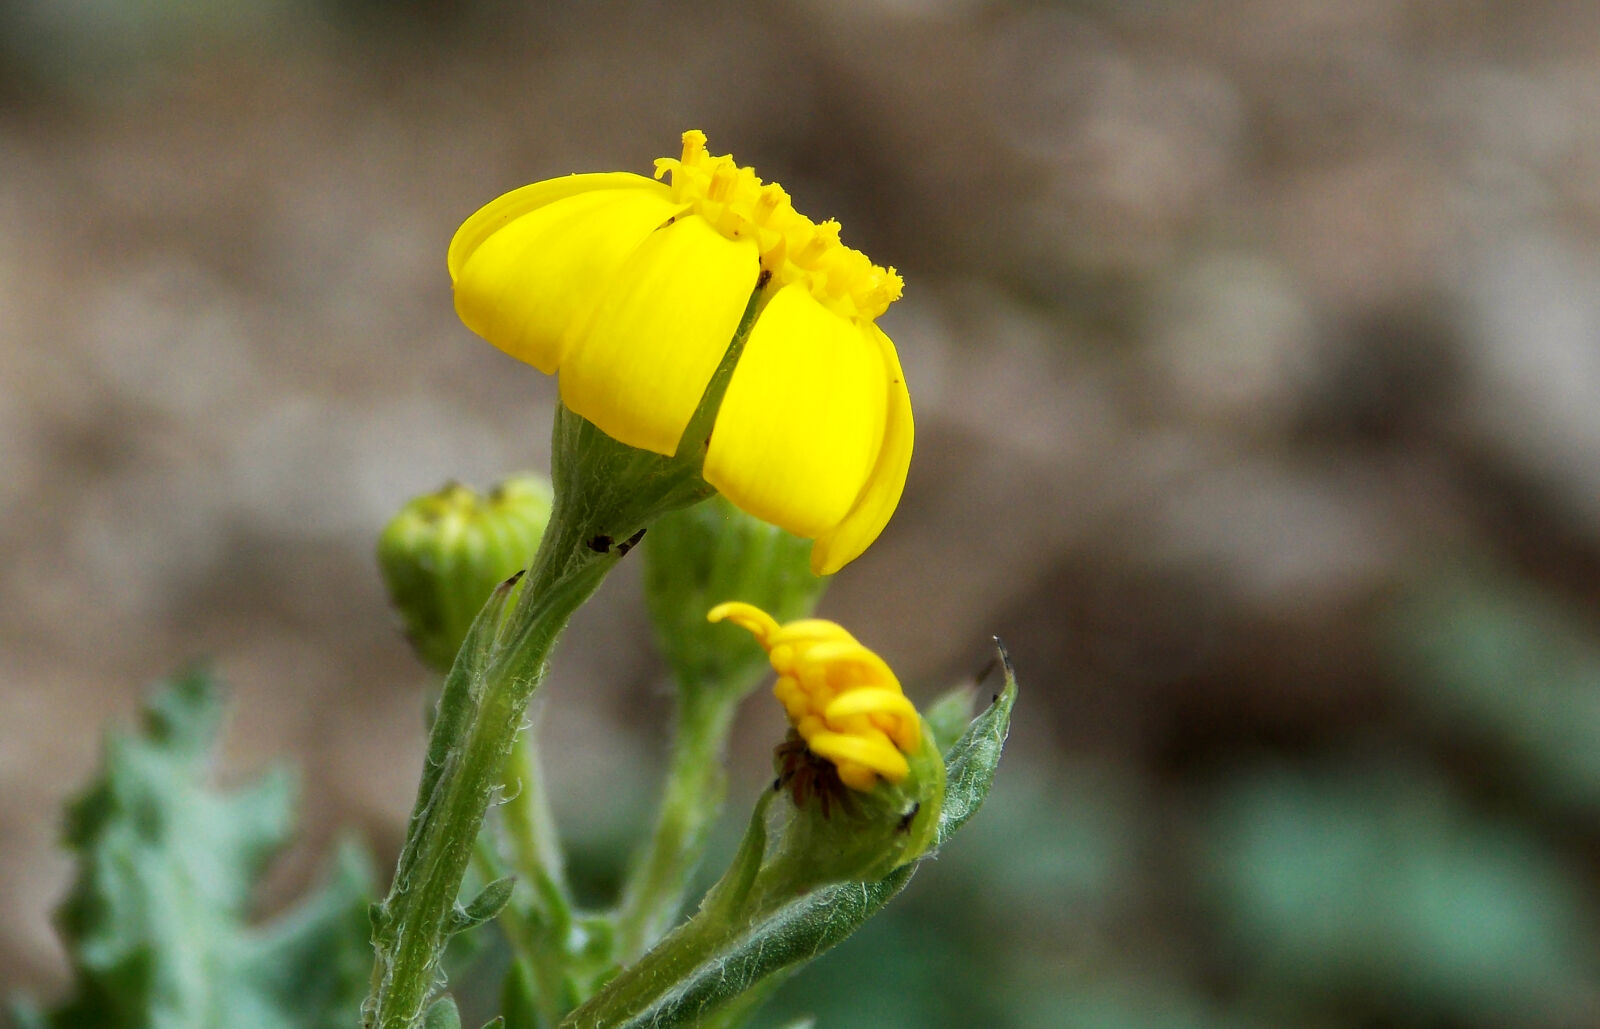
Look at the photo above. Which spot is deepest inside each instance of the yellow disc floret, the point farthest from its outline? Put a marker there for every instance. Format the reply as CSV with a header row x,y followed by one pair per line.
x,y
793,247
841,698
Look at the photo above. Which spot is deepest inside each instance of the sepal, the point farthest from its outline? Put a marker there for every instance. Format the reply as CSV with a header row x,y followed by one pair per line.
x,y
830,833
947,717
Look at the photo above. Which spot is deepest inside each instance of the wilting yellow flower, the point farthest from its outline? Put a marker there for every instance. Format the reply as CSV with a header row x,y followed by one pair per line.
x,y
841,697
632,289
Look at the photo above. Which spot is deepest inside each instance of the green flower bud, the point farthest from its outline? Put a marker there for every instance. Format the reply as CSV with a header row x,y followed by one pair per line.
x,y
445,552
700,556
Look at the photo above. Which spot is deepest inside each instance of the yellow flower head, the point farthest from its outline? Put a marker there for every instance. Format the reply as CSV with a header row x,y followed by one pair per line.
x,y
841,697
632,289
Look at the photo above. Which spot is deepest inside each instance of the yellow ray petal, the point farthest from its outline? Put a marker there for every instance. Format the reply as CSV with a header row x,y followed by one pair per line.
x,y
518,202
876,752
803,417
526,284
810,630
845,541
748,617
869,701
638,367
857,777
848,664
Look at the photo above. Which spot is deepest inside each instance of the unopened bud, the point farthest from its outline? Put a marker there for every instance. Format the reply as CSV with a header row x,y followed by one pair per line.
x,y
702,555
444,553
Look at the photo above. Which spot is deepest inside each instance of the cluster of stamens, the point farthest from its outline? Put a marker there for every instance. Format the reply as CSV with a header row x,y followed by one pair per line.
x,y
793,247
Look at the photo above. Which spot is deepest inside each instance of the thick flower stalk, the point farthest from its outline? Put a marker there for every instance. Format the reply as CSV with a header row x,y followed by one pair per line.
x,y
841,698
631,290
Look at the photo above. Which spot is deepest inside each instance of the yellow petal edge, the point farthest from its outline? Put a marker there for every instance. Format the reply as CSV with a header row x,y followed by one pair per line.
x,y
846,541
801,425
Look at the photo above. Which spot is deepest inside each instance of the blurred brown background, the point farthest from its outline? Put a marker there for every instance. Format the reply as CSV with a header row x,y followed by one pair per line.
x,y
1255,349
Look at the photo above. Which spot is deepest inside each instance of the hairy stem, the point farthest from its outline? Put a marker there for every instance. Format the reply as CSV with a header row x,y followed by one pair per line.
x,y
691,800
480,712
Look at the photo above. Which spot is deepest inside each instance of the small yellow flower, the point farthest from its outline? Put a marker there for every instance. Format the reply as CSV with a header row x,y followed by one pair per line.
x,y
632,289
841,697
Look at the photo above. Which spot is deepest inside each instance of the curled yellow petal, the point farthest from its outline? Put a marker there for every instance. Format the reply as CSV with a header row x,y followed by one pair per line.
x,y
537,271
853,534
883,708
868,702
808,631
803,419
856,776
639,364
875,752
746,616
842,699
847,665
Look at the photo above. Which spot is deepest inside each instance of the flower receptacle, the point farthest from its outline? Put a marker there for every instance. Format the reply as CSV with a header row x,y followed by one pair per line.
x,y
826,832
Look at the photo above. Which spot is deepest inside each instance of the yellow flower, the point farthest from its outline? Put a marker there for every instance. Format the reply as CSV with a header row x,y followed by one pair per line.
x,y
841,697
632,289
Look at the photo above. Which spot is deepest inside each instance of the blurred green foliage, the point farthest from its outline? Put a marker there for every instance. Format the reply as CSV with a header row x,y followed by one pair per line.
x,y
157,922
1365,878
1500,665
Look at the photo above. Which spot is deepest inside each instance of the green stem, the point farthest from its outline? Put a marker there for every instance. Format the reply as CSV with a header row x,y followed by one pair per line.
x,y
606,494
530,825
537,858
737,900
691,800
479,718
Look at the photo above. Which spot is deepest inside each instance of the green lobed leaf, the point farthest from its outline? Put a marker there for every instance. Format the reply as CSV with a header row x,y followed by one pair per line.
x,y
156,920
806,927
